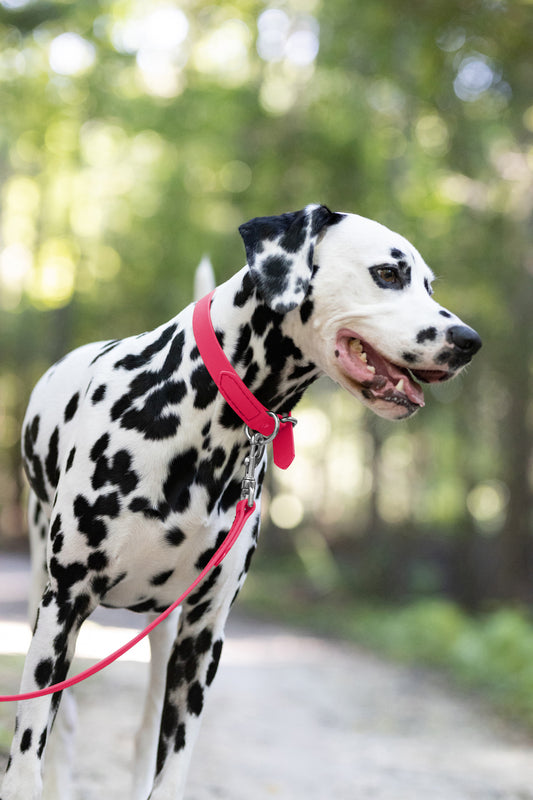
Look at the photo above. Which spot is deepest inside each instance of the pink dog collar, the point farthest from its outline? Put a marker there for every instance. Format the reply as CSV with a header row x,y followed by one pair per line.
x,y
234,391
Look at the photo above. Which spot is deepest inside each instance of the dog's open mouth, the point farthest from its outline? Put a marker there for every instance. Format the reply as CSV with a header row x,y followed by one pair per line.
x,y
378,377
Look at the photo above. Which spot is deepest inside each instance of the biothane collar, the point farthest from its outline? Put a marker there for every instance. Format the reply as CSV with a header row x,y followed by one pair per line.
x,y
234,391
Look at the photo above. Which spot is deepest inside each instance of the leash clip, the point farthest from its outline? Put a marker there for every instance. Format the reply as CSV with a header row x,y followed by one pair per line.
x,y
258,443
249,484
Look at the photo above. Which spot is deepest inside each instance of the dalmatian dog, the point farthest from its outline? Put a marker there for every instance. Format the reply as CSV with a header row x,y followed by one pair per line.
x,y
135,463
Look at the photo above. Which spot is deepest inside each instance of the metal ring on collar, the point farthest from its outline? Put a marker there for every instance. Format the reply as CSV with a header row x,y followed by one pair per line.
x,y
265,439
292,420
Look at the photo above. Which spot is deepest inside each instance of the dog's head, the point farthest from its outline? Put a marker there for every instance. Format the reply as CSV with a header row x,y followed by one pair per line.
x,y
357,300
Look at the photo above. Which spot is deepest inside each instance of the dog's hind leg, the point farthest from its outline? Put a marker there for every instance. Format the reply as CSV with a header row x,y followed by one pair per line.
x,y
51,649
161,640
57,777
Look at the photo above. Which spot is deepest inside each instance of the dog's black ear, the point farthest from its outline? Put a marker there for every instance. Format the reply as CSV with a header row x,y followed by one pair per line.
x,y
280,253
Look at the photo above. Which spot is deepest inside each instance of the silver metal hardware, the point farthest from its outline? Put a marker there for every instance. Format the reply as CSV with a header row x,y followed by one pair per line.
x,y
265,439
249,484
258,443
292,420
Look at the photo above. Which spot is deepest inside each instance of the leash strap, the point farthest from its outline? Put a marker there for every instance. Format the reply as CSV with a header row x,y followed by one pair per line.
x,y
244,512
234,391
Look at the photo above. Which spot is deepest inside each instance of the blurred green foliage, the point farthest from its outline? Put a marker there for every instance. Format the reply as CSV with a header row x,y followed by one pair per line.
x,y
135,137
492,653
489,653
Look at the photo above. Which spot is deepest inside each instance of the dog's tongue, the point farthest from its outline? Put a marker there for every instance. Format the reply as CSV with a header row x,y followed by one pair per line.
x,y
394,375
383,378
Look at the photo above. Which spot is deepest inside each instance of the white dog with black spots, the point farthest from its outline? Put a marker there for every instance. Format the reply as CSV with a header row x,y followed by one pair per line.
x,y
135,463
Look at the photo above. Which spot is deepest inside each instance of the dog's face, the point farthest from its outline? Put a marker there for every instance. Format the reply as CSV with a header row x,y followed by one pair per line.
x,y
358,300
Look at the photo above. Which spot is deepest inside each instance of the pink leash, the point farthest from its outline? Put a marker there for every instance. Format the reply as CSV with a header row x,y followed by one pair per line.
x,y
269,427
243,512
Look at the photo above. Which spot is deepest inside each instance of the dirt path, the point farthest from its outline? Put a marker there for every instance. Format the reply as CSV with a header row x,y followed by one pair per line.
x,y
292,716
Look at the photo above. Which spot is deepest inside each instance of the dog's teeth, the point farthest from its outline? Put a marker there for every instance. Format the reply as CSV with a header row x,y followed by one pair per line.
x,y
356,346
363,356
400,385
371,369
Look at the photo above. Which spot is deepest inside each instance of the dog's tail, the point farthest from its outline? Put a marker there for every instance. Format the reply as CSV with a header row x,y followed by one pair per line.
x,y
204,278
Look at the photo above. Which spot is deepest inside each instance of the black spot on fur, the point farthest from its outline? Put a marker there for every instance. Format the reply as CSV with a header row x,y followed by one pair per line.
x,y
161,578
411,358
142,504
105,350
51,463
249,557
426,335
97,561
198,612
243,343
203,641
25,742
204,387
204,588
34,428
306,309
179,741
70,459
229,419
56,527
116,471
395,253
175,536
300,371
136,361
195,699
278,348
322,217
72,407
162,392
215,659
231,495
161,754
100,585
67,576
261,318
274,277
181,475
204,559
99,447
169,720
60,642
149,419
42,743
43,672
445,356
444,313
89,516
33,464
244,292
98,394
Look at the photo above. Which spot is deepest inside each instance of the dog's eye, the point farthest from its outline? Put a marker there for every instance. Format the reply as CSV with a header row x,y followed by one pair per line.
x,y
387,277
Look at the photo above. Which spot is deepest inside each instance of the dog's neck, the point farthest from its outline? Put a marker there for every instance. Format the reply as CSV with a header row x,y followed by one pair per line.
x,y
256,342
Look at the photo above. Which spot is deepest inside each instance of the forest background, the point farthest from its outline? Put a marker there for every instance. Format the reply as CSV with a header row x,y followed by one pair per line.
x,y
136,136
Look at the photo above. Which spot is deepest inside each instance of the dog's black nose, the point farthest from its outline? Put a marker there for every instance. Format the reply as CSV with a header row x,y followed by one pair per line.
x,y
464,338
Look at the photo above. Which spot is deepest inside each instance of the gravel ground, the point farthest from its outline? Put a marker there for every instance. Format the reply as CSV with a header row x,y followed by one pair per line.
x,y
294,716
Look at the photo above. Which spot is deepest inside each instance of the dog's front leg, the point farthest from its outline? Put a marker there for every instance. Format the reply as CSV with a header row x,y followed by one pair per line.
x,y
47,662
191,669
161,640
